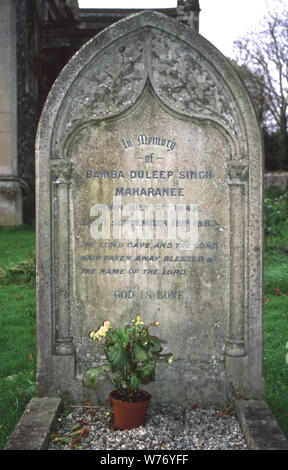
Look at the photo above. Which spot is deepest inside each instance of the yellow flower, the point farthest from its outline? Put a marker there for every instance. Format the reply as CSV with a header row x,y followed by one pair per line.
x,y
170,359
157,323
99,334
102,331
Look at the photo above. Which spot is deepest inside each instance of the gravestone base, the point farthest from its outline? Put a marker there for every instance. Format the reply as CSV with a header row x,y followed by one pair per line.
x,y
243,382
60,379
202,384
258,424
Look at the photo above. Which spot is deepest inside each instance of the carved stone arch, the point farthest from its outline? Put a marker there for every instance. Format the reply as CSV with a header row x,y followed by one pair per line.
x,y
101,82
201,120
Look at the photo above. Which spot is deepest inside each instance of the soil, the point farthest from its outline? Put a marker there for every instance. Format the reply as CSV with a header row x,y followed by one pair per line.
x,y
138,396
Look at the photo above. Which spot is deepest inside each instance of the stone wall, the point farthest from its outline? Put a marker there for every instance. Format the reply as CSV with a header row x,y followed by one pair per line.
x,y
10,189
276,179
27,112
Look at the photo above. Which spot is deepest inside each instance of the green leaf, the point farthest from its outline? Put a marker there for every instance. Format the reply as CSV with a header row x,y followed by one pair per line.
x,y
140,352
91,375
135,382
146,372
155,345
117,336
117,356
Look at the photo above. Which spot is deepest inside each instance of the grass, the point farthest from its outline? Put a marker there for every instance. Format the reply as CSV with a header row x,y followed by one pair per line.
x,y
276,335
18,329
278,241
17,325
276,318
16,244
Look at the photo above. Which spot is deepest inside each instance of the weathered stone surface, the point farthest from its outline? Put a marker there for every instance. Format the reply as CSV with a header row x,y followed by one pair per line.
x,y
32,431
261,430
149,114
10,191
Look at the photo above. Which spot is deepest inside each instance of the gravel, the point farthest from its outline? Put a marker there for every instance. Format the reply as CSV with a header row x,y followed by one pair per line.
x,y
166,428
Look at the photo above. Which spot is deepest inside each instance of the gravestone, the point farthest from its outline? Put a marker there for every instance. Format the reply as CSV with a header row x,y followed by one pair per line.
x,y
149,202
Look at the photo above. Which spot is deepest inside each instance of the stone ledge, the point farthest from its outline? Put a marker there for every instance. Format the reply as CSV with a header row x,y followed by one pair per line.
x,y
260,428
32,431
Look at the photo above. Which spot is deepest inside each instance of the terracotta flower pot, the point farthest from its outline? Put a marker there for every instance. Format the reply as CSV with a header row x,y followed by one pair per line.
x,y
128,415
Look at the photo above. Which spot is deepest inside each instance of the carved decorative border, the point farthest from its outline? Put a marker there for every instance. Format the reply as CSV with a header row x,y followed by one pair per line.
x,y
237,177
61,174
181,78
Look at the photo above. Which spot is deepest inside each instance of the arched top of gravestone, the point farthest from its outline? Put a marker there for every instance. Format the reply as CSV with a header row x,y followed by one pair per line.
x,y
108,75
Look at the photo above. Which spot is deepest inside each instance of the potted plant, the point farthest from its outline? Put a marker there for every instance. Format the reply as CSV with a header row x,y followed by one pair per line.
x,y
132,354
